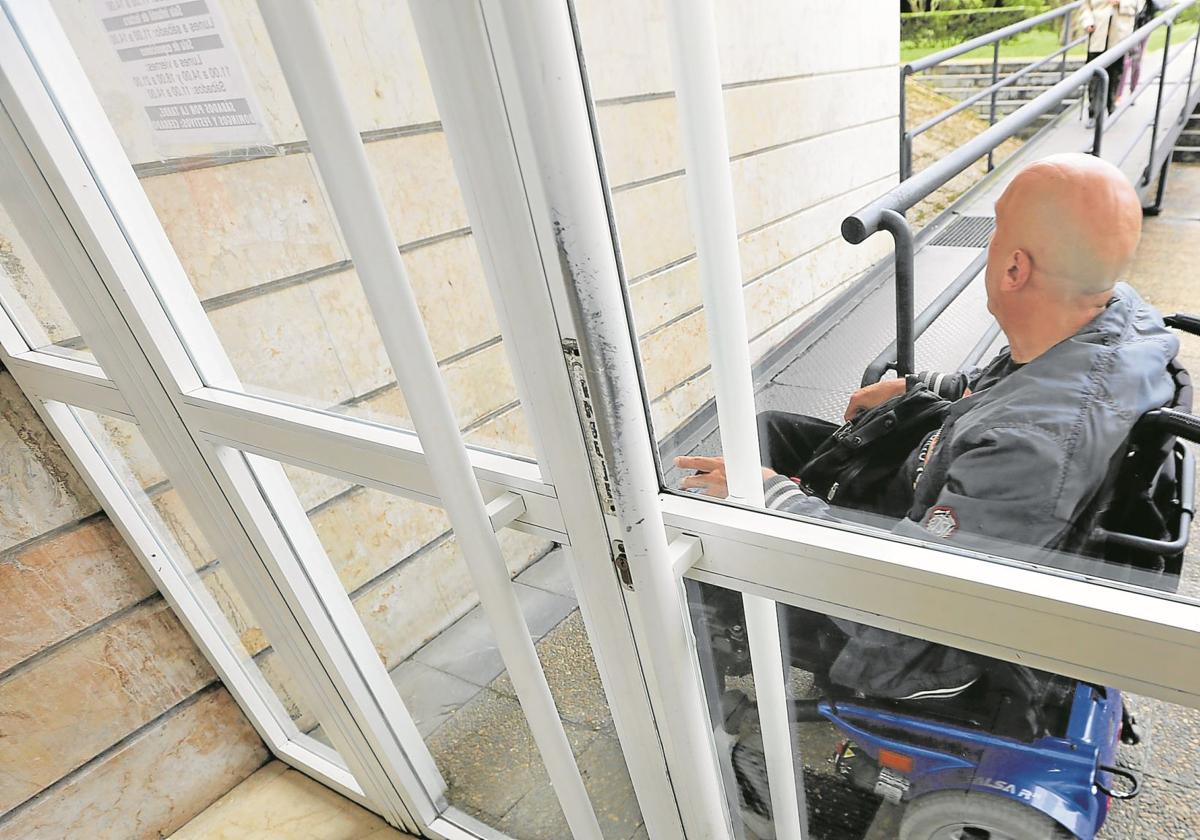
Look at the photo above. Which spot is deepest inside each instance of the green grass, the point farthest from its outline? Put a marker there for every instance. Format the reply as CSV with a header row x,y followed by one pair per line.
x,y
1037,44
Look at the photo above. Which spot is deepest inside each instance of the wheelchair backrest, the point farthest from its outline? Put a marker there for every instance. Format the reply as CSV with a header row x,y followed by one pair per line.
x,y
1135,519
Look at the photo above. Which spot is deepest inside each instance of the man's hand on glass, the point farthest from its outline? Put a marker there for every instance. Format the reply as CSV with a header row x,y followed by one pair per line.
x,y
872,395
710,475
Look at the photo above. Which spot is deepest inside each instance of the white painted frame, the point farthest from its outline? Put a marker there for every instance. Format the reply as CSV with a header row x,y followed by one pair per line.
x,y
152,304
165,370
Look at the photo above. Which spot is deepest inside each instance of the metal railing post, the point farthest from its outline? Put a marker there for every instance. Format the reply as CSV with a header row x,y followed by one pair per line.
x,y
991,164
1156,208
1101,97
895,224
1162,86
905,139
1066,39
1191,74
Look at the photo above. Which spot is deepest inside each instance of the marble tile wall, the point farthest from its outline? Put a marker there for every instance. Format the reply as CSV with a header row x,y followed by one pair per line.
x,y
153,783
111,722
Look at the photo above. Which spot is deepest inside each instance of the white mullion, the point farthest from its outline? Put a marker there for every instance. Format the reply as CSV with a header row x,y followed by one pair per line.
x,y
299,561
1071,625
383,457
458,58
311,75
121,314
55,378
696,72
197,612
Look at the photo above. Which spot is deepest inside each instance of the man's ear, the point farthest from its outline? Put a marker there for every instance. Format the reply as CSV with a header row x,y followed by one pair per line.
x,y
1018,272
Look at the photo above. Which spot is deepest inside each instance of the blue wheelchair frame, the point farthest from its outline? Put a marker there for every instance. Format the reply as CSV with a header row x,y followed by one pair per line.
x,y
1067,778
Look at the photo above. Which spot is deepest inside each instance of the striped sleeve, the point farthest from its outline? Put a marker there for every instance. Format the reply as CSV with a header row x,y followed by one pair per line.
x,y
778,490
781,493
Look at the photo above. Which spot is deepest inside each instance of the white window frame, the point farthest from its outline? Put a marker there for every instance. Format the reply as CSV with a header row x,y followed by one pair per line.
x,y
161,366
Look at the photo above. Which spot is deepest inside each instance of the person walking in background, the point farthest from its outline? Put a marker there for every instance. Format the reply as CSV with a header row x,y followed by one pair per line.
x,y
1107,23
1133,59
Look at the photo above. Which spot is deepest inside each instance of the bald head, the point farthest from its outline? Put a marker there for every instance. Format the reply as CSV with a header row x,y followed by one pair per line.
x,y
1066,229
1077,218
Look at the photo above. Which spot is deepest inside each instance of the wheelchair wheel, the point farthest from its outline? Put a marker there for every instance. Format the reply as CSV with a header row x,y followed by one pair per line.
x,y
962,815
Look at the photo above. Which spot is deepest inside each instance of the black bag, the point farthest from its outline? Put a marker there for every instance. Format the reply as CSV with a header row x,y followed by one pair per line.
x,y
856,465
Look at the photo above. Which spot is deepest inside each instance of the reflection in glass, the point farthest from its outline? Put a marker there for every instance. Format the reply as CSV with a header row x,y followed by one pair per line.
x,y
131,461
944,744
25,291
1010,460
406,576
247,215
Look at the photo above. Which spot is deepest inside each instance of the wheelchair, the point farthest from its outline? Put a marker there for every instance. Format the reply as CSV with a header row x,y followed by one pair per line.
x,y
1021,754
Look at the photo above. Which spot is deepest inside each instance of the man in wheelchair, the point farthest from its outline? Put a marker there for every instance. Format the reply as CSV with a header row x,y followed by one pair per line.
x,y
1039,455
1015,450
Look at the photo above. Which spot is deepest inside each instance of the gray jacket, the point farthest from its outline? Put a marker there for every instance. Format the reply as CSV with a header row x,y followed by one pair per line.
x,y
1018,459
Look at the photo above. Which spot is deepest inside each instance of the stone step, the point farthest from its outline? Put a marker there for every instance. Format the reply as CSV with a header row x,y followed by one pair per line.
x,y
1039,78
1186,154
1016,92
1006,107
984,68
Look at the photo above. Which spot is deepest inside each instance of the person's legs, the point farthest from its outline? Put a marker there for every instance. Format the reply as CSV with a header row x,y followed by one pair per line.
x,y
1093,89
1134,61
1114,79
787,441
1125,76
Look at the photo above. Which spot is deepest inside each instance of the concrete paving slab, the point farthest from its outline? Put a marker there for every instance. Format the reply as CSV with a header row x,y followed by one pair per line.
x,y
467,649
538,817
431,696
489,760
551,574
566,657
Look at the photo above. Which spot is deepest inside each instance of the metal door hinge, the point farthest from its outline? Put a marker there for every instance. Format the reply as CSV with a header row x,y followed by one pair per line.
x,y
621,563
587,416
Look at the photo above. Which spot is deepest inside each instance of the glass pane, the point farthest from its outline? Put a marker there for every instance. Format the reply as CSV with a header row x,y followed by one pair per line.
x,y
904,738
811,103
1027,431
27,259
408,580
214,136
130,459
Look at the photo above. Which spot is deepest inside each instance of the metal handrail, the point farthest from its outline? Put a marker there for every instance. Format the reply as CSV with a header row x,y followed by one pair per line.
x,y
887,211
990,38
993,38
1007,81
928,315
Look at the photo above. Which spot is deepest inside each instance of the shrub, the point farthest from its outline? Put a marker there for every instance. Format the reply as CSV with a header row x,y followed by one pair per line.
x,y
924,29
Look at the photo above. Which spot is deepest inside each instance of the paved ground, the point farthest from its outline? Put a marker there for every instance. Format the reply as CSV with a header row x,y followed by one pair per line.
x,y
465,707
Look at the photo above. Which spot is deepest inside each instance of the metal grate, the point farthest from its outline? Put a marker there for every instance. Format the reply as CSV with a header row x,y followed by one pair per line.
x,y
966,232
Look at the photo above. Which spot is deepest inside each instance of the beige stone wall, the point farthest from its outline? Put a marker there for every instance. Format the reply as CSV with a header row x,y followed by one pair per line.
x,y
112,724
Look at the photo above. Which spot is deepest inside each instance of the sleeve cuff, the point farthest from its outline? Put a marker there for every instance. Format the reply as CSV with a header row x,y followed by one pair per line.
x,y
778,490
